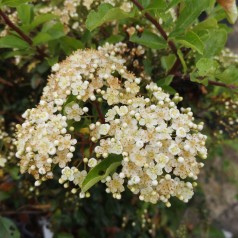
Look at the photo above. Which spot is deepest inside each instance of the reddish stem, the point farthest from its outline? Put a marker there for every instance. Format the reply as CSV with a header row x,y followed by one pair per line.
x,y
210,82
25,37
158,26
100,114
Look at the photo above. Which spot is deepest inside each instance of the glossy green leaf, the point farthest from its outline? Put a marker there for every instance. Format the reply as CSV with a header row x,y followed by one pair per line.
x,y
173,3
69,44
105,13
14,172
55,29
229,75
38,20
210,23
191,40
42,37
168,61
214,42
180,55
206,67
101,171
8,229
191,11
25,13
50,31
165,81
13,3
168,89
157,5
150,40
12,41
114,39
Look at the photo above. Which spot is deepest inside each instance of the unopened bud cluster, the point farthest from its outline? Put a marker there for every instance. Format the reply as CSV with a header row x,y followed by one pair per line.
x,y
93,107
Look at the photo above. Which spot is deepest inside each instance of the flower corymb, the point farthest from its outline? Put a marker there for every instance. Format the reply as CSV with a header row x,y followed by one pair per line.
x,y
93,107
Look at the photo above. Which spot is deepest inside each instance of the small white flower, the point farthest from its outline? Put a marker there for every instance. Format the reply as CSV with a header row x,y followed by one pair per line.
x,y
174,113
123,110
104,129
174,149
181,132
92,162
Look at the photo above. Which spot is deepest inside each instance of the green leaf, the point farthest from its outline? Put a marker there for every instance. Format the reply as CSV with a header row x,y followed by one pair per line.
x,y
214,42
191,11
168,89
166,81
101,171
194,77
14,172
12,41
69,44
150,40
25,13
13,3
53,60
173,3
53,28
210,23
105,13
42,38
168,61
50,31
38,20
191,40
157,5
180,55
207,67
229,75
114,39
147,66
8,229
22,52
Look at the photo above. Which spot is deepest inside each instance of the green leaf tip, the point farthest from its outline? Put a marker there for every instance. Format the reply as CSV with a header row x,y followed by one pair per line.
x,y
101,171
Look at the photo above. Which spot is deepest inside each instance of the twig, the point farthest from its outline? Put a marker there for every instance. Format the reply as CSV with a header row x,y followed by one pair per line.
x,y
158,26
5,82
210,82
100,114
230,86
25,37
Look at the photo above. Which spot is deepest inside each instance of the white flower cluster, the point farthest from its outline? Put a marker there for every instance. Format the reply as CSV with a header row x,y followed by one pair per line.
x,y
93,92
69,12
227,58
124,4
5,145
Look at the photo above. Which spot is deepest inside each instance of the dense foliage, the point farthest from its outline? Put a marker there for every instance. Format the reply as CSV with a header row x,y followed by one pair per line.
x,y
136,93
